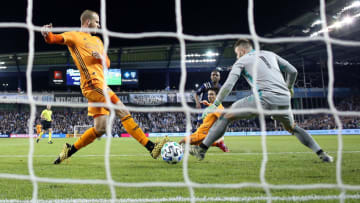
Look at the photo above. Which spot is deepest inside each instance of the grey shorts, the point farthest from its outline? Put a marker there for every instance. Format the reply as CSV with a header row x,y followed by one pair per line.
x,y
286,119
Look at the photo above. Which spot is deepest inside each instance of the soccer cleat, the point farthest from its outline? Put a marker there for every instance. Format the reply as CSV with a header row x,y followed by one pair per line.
x,y
197,151
183,147
325,157
50,142
157,148
37,140
64,154
222,146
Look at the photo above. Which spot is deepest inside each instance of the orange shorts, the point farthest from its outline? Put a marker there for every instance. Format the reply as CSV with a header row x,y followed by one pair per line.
x,y
94,93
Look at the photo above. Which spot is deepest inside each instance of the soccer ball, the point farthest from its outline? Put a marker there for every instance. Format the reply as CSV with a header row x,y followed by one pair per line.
x,y
172,152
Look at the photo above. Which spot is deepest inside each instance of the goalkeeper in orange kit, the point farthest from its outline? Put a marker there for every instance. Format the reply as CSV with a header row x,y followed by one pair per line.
x,y
87,53
199,135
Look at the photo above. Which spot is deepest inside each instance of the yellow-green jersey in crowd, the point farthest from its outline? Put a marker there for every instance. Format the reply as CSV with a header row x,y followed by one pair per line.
x,y
46,114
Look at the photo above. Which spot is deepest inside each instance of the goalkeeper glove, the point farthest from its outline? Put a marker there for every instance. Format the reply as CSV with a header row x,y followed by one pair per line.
x,y
212,108
291,91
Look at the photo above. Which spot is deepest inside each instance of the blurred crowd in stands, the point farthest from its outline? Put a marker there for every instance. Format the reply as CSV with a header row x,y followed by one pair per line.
x,y
64,121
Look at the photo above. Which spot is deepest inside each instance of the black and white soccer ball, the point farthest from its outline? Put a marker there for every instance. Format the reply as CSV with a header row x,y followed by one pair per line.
x,y
172,152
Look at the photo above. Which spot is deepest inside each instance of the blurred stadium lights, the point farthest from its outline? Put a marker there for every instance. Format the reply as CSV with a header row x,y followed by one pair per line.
x,y
3,67
348,20
211,54
2,62
345,20
337,25
207,54
316,22
201,58
355,4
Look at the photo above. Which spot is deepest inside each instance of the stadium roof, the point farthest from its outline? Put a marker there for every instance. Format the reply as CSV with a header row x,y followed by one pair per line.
x,y
167,56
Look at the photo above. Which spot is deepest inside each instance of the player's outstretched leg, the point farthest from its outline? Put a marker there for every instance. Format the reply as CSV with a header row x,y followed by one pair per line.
x,y
155,153
306,139
68,150
39,137
216,131
222,146
64,154
135,131
50,140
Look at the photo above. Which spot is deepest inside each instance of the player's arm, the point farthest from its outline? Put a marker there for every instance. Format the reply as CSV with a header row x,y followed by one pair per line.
x,y
225,90
206,103
42,115
291,71
50,37
230,82
197,96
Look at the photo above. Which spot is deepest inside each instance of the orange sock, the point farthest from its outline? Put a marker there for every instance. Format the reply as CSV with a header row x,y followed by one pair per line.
x,y
134,130
88,137
214,144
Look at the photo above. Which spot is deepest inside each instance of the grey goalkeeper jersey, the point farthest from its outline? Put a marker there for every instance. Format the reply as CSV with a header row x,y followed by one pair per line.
x,y
270,82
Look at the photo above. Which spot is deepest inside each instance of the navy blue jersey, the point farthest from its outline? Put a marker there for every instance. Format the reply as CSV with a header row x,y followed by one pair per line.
x,y
202,91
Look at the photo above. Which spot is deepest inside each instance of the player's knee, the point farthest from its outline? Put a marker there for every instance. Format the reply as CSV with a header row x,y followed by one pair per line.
x,y
100,129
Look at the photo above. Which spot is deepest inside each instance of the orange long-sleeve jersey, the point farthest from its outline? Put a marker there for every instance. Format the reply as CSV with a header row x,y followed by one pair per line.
x,y
209,120
81,46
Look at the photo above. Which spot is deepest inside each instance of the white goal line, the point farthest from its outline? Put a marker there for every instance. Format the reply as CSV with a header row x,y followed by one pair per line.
x,y
186,199
180,184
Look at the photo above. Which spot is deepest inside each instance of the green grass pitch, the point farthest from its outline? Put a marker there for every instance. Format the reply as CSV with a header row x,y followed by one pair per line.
x,y
289,163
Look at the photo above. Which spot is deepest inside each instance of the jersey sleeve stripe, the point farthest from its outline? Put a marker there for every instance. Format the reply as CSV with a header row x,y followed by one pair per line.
x,y
81,62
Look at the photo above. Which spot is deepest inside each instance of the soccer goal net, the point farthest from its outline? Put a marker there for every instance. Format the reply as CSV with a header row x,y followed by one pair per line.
x,y
184,186
80,129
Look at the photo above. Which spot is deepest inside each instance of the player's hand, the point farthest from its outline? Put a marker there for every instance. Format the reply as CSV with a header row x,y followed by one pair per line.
x,y
96,54
291,90
206,103
46,29
210,109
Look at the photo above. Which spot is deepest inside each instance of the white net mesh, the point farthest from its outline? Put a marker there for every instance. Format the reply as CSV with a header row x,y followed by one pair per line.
x,y
185,108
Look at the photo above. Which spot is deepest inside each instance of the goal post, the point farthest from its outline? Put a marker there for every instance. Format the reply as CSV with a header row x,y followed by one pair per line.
x,y
80,129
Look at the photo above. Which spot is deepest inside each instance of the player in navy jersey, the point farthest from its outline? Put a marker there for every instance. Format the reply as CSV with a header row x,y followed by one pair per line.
x,y
201,93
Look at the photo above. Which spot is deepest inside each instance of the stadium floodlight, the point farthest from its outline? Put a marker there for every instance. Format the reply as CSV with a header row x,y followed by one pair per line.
x,y
3,67
2,62
337,25
211,54
348,20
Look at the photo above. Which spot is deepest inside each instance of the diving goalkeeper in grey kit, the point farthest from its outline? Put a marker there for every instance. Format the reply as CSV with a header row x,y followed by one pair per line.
x,y
274,93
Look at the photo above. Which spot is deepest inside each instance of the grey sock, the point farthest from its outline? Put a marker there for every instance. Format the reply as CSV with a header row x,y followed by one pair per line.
x,y
216,131
306,139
